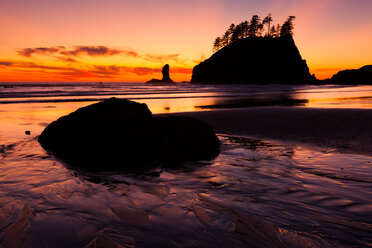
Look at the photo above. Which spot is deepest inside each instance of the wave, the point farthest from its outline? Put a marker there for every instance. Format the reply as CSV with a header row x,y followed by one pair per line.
x,y
93,99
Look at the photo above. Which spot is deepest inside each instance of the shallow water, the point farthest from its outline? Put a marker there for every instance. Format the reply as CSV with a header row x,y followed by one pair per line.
x,y
185,97
254,194
32,106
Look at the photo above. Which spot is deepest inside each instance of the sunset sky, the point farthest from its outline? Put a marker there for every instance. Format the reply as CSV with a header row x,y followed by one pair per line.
x,y
120,40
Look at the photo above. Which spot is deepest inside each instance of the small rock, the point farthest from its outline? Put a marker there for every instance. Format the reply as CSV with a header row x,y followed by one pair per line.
x,y
165,72
166,78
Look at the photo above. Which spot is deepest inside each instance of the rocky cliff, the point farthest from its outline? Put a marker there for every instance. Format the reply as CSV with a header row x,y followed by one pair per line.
x,y
255,61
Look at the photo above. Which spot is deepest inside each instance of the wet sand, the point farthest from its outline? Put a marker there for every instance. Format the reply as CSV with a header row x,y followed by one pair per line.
x,y
345,130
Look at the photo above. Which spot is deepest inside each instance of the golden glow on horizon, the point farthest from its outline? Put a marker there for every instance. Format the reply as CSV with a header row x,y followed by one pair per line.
x,y
178,33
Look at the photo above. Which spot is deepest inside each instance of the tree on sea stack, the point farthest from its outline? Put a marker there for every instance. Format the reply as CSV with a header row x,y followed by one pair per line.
x,y
275,31
255,26
217,44
287,27
267,20
253,29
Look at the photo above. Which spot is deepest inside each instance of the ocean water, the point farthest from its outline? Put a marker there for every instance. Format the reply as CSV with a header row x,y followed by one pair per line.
x,y
256,193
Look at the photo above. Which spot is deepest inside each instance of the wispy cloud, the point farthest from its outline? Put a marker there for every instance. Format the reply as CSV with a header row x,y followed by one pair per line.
x,y
130,53
91,51
69,54
162,57
28,52
117,70
67,59
197,61
6,63
74,51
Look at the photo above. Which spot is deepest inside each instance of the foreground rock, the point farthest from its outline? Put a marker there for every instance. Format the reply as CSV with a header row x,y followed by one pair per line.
x,y
255,61
166,78
122,134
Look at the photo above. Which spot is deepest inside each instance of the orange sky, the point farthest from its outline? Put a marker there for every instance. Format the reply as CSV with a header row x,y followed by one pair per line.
x,y
119,40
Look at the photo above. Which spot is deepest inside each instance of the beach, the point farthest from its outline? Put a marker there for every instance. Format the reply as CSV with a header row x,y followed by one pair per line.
x,y
299,176
343,130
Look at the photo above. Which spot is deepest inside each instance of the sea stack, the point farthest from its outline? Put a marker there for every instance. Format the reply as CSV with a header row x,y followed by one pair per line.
x,y
165,72
257,60
166,78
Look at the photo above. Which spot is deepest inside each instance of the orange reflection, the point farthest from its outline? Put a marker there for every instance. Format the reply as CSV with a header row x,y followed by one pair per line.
x,y
17,118
337,97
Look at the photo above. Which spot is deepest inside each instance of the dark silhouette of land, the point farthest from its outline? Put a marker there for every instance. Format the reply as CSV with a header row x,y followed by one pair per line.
x,y
246,54
362,75
122,135
257,60
166,78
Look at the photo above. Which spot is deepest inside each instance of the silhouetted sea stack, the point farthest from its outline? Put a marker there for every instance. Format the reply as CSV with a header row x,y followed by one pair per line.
x,y
256,60
166,77
165,72
360,76
122,134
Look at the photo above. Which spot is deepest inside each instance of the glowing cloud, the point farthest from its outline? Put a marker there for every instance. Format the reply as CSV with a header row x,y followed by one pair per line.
x,y
91,51
76,51
89,71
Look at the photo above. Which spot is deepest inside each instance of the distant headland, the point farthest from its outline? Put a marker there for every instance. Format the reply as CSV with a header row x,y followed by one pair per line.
x,y
362,75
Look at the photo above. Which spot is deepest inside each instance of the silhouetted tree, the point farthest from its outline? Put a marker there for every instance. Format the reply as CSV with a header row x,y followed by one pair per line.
x,y
231,28
236,34
239,31
226,38
260,29
217,45
245,26
287,27
254,26
267,20
273,32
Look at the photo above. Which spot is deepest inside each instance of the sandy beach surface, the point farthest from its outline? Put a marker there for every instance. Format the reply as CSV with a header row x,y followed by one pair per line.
x,y
345,130
297,192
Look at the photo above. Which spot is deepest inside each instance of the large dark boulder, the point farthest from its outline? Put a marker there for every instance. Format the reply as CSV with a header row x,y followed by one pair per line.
x,y
180,138
121,134
362,75
257,60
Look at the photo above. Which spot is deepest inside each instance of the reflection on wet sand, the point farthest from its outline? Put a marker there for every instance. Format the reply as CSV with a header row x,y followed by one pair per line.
x,y
334,96
256,192
261,101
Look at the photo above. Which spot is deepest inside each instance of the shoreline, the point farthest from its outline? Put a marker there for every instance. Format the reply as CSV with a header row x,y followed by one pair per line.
x,y
345,130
